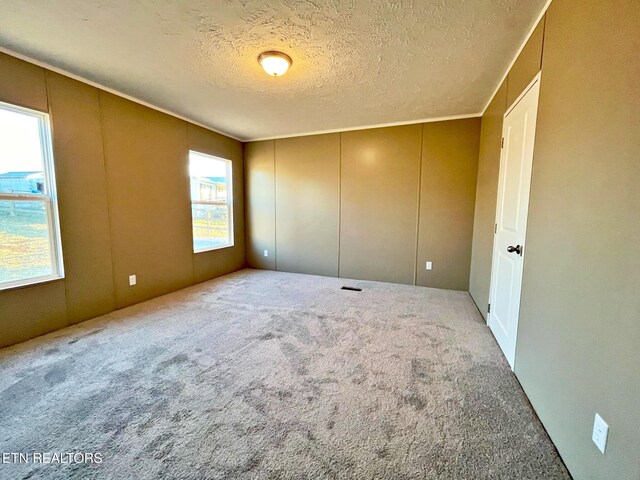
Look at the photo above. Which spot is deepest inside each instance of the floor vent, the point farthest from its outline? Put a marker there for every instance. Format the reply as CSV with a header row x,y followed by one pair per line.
x,y
352,289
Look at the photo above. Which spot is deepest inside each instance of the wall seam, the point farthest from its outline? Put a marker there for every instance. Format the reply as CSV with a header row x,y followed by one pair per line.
x,y
415,264
475,206
506,99
475,198
275,211
188,160
245,263
248,251
544,32
106,181
339,197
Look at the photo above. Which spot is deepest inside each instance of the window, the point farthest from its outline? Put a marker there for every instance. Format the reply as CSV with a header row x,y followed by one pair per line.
x,y
211,202
30,250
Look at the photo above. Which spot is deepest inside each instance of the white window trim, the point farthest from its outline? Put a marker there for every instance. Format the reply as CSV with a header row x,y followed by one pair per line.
x,y
49,198
228,204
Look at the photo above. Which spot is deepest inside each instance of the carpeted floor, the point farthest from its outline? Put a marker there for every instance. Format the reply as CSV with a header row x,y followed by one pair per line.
x,y
274,375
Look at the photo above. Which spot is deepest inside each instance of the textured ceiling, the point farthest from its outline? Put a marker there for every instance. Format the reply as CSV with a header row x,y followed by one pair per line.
x,y
355,62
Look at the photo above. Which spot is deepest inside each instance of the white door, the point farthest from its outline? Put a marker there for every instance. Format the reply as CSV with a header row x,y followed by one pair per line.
x,y
516,160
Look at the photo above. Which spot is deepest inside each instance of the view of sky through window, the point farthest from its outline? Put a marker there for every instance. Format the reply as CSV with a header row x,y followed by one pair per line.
x,y
210,201
19,143
28,236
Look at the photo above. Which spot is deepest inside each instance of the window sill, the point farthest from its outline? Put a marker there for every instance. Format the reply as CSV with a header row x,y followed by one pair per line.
x,y
30,282
204,250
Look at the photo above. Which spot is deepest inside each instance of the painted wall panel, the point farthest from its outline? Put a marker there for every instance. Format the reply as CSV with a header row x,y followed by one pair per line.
x,y
22,83
207,265
308,204
486,199
380,177
82,197
260,206
447,199
27,312
149,205
149,194
527,65
578,349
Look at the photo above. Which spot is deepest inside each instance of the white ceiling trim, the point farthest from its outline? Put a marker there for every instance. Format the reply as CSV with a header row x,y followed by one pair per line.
x,y
79,78
524,42
368,127
319,132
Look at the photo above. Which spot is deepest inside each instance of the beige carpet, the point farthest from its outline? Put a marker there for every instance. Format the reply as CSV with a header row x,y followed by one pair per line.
x,y
274,375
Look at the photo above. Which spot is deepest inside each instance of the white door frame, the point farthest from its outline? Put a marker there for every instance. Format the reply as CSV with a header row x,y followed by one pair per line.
x,y
492,293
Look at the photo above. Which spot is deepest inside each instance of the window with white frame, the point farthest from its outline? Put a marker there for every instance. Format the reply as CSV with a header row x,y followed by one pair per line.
x,y
30,250
211,202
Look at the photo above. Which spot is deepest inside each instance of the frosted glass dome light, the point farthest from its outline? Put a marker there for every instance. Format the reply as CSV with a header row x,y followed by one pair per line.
x,y
274,63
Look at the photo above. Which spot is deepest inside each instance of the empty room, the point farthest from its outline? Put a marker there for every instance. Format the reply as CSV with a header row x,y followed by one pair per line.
x,y
332,239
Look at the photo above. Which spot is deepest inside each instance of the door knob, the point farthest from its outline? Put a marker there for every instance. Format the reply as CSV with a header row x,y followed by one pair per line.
x,y
517,249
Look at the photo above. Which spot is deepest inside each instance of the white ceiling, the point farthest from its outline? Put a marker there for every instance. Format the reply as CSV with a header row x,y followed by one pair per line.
x,y
355,62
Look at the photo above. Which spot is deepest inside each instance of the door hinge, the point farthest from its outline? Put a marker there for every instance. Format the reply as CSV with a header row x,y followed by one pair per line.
x,y
495,228
502,143
489,309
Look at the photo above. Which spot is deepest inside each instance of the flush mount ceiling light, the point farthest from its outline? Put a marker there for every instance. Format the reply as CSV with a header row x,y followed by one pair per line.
x,y
275,63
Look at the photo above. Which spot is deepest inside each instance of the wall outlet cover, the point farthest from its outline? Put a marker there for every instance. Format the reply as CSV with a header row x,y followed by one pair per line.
x,y
132,280
429,265
266,253
600,433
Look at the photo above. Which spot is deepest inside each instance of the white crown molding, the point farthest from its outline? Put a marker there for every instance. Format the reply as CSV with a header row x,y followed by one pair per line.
x,y
367,127
526,39
318,132
66,73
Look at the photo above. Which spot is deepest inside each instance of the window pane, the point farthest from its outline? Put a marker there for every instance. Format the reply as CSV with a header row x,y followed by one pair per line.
x,y
210,226
21,162
211,200
25,250
209,180
209,189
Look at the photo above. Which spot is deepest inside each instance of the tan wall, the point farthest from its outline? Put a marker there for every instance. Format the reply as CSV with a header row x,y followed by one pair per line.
x,y
447,198
207,265
22,84
124,209
84,212
380,179
308,204
148,199
526,66
486,199
31,311
578,349
350,201
578,339
260,181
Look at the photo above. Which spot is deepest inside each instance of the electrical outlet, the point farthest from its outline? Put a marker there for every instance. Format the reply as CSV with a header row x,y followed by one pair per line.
x,y
429,265
600,433
266,253
132,280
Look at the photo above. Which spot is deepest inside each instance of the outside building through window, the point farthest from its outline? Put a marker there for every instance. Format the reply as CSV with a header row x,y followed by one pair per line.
x,y
211,202
29,235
